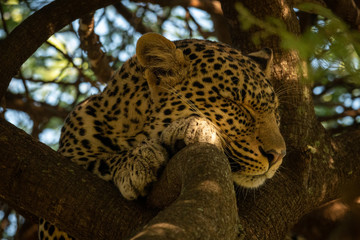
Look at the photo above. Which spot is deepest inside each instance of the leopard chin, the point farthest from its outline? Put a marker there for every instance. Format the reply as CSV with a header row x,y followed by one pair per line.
x,y
254,181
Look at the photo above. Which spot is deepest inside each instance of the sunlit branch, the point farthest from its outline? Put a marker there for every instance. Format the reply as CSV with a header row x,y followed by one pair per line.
x,y
326,105
90,43
210,6
40,25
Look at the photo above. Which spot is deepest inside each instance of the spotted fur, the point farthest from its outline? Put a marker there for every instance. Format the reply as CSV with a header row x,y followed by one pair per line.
x,y
167,96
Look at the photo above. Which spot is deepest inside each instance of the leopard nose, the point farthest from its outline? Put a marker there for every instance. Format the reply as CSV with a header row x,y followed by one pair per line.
x,y
273,156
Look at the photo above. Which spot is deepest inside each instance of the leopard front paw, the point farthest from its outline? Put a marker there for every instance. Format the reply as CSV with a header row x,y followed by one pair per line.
x,y
185,131
140,168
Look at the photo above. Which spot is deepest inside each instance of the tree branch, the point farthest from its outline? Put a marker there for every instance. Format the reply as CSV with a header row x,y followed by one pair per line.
x,y
344,129
132,19
32,171
38,109
90,43
36,181
348,10
210,6
202,175
350,112
213,7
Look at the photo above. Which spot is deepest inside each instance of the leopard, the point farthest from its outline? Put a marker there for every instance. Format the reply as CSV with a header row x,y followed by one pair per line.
x,y
168,95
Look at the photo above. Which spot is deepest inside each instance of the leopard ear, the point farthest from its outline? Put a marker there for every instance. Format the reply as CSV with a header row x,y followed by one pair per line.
x,y
163,62
152,49
264,59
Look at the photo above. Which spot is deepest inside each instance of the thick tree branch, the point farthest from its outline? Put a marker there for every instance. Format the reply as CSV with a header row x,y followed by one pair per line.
x,y
31,183
207,199
36,181
40,182
36,29
347,147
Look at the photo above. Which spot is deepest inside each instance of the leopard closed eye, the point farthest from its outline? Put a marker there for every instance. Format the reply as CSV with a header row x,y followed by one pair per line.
x,y
168,95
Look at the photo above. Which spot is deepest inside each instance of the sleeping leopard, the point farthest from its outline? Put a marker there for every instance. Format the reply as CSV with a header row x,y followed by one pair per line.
x,y
171,94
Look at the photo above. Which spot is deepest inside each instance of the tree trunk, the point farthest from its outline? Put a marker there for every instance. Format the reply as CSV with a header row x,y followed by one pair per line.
x,y
316,166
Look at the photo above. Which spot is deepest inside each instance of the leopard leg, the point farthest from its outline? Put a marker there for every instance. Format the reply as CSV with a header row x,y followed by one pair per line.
x,y
138,168
47,231
185,131
131,170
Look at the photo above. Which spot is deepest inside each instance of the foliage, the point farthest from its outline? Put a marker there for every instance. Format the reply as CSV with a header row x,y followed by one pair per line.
x,y
330,50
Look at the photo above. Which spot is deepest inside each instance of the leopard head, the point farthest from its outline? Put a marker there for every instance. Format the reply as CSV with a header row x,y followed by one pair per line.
x,y
229,89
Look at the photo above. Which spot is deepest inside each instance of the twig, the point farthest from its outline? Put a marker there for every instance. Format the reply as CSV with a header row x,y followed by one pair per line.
x,y
15,101
203,34
352,113
90,43
70,59
3,20
187,17
134,21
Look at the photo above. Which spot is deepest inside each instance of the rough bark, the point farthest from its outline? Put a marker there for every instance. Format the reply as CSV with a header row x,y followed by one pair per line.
x,y
315,169
202,176
40,182
37,181
32,171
